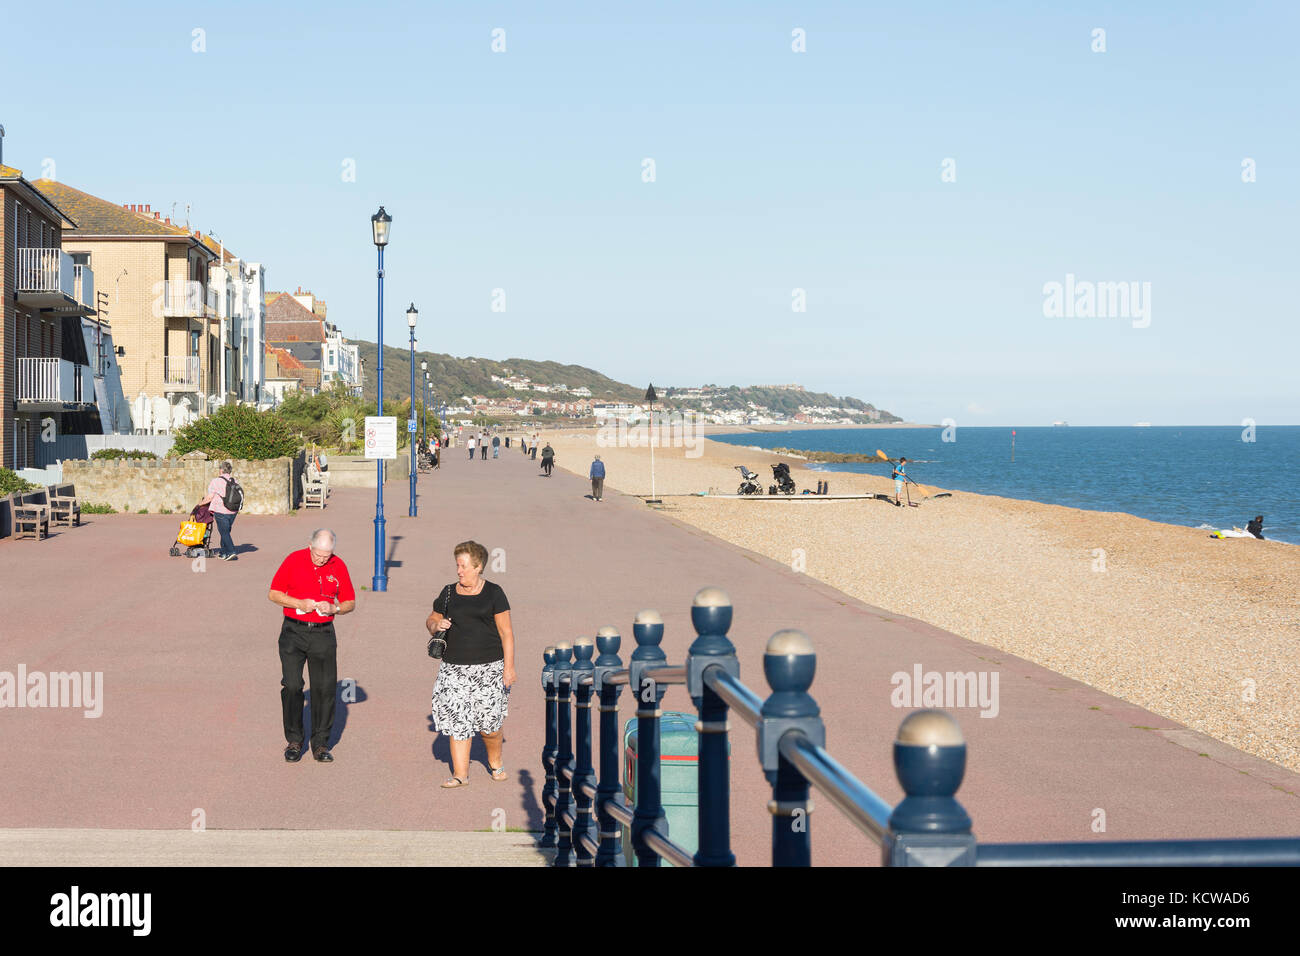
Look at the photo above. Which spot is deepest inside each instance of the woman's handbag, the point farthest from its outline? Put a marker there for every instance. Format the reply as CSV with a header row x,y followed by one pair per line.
x,y
437,643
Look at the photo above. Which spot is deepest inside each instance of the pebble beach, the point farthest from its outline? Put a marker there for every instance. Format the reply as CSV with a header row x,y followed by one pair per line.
x,y
1202,631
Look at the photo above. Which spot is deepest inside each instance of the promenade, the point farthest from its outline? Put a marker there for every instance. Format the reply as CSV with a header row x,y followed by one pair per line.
x,y
190,727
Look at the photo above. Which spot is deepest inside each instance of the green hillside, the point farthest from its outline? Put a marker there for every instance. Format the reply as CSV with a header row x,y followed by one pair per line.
x,y
453,377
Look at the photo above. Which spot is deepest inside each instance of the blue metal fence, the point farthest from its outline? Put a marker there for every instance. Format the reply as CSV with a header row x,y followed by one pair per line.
x,y
927,828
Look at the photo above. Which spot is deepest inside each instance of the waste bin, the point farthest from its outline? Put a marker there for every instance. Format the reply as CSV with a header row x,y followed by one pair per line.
x,y
679,774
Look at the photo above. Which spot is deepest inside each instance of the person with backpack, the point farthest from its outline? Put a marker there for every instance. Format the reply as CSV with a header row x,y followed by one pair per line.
x,y
225,499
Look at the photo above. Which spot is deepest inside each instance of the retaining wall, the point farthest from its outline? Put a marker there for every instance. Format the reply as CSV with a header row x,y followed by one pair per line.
x,y
178,485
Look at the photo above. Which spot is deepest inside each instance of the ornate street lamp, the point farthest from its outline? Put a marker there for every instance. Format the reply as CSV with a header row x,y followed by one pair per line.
x,y
379,224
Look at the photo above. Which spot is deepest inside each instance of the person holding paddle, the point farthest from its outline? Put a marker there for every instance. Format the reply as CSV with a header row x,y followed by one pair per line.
x,y
900,478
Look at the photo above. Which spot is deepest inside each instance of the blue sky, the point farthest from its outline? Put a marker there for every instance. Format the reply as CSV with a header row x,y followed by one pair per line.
x,y
774,171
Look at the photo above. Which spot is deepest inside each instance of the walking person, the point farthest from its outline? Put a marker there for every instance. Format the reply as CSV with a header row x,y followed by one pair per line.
x,y
482,444
900,478
313,587
597,479
471,694
471,447
223,493
496,446
548,459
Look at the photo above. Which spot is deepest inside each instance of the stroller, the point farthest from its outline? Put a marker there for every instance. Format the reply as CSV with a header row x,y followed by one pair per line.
x,y
750,485
194,535
784,483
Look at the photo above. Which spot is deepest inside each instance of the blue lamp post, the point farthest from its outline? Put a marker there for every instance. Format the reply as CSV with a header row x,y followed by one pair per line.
x,y
379,224
411,315
424,408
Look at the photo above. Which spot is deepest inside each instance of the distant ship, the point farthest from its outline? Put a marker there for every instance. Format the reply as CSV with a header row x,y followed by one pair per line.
x,y
1141,424
1060,424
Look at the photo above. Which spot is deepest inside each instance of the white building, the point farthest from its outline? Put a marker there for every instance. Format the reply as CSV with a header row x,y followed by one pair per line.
x,y
340,361
239,287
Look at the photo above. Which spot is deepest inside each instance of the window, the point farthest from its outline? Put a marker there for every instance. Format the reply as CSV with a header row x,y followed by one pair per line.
x,y
81,258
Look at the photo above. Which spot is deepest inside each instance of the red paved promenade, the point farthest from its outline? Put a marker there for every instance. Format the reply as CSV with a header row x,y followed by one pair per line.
x,y
191,717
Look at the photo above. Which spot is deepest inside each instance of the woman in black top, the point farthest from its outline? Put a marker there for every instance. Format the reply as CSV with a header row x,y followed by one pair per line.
x,y
472,692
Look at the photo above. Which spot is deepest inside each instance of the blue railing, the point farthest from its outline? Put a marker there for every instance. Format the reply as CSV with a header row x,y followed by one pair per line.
x,y
928,828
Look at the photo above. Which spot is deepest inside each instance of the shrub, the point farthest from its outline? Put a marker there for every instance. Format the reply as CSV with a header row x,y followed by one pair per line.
x,y
10,483
98,510
120,453
238,431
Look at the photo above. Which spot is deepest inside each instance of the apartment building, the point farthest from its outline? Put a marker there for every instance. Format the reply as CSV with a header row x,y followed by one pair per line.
x,y
299,330
340,361
44,295
239,287
156,275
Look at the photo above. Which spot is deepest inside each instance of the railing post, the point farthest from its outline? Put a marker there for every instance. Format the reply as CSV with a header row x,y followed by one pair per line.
x,y
648,629
711,616
929,827
789,663
608,643
564,750
583,772
548,749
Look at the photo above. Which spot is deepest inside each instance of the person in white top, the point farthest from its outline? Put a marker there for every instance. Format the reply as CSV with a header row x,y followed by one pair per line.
x,y
223,516
470,443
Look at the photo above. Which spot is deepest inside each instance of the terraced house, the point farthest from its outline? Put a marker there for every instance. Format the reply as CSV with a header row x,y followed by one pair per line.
x,y
166,321
43,290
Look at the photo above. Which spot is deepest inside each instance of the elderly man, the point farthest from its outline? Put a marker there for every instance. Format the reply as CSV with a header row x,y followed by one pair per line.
x,y
313,586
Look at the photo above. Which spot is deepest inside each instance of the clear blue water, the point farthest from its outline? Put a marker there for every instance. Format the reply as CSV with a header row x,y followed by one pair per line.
x,y
1194,476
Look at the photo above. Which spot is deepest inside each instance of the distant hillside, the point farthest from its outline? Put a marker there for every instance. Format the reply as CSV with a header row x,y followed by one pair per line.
x,y
453,377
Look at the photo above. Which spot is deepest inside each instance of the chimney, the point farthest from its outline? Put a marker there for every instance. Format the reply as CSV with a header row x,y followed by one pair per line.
x,y
157,215
147,208
168,220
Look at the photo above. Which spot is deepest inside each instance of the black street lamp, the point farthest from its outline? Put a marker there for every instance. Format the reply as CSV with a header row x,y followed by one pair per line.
x,y
379,224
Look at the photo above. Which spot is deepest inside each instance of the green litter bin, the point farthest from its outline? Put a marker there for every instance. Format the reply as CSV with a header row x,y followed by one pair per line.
x,y
679,777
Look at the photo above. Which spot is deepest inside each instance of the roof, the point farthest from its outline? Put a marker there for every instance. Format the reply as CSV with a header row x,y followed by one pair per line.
x,y
286,359
15,176
216,247
287,320
99,217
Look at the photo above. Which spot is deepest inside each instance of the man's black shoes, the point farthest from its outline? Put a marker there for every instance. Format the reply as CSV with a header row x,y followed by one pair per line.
x,y
323,756
293,753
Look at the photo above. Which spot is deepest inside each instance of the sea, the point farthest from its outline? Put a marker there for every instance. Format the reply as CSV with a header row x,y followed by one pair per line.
x,y
1200,476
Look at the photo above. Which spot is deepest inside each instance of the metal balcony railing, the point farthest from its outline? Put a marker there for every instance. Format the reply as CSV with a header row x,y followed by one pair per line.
x,y
928,828
51,381
180,373
45,270
187,299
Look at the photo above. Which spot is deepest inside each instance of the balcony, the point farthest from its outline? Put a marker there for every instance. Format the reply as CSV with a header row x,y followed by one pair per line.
x,y
187,299
51,383
181,374
48,279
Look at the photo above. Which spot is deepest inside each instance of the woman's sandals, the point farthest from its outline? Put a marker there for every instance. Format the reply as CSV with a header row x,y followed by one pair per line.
x,y
498,773
454,783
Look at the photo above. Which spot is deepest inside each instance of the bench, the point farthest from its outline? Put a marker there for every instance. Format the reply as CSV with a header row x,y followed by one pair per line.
x,y
32,515
65,509
313,492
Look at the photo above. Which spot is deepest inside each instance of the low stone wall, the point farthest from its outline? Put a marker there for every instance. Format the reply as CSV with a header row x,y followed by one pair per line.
x,y
178,485
353,472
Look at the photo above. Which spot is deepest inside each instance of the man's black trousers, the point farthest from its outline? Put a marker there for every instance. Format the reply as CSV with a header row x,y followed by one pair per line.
x,y
317,647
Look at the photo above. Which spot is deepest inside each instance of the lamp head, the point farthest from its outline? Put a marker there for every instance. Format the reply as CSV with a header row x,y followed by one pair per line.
x,y
379,224
411,315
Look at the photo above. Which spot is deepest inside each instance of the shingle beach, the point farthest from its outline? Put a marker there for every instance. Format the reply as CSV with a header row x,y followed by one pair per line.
x,y
1203,631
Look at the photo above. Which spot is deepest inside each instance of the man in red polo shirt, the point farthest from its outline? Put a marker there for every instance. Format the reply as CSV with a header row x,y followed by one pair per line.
x,y
313,586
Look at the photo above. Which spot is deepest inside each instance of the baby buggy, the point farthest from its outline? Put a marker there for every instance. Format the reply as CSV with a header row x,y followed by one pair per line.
x,y
784,483
750,485
192,539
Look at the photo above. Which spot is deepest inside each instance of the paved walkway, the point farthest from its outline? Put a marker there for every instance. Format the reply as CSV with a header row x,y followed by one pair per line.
x,y
191,716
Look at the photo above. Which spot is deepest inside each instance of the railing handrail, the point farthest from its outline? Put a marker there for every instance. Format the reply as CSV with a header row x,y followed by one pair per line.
x,y
927,828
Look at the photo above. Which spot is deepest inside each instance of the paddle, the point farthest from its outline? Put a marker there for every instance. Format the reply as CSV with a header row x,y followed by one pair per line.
x,y
923,492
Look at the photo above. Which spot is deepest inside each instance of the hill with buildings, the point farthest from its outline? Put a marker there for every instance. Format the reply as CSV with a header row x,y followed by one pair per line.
x,y
481,386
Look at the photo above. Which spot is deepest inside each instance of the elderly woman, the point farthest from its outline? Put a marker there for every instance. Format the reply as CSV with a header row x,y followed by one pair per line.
x,y
472,691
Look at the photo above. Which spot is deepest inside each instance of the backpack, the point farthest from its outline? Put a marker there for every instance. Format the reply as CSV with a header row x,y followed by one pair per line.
x,y
233,499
